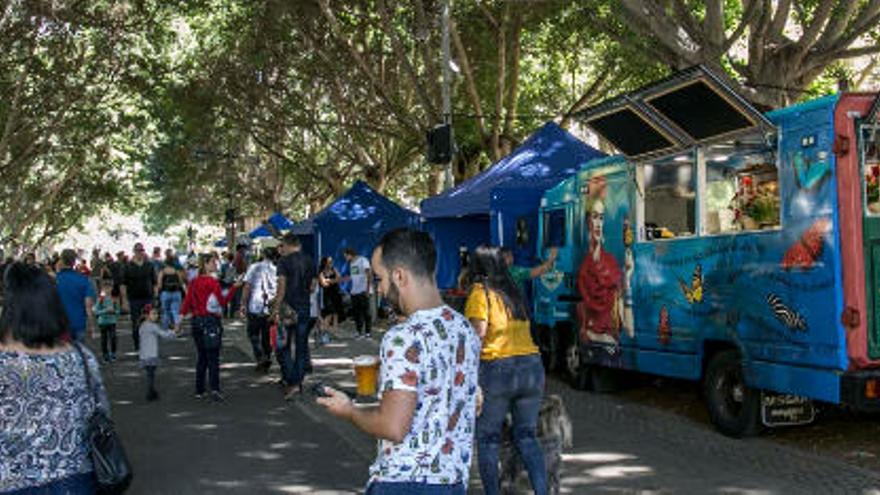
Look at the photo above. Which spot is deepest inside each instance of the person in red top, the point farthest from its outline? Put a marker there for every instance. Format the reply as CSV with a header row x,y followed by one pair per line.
x,y
205,301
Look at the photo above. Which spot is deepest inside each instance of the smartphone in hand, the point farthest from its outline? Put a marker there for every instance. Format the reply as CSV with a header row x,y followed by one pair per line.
x,y
318,390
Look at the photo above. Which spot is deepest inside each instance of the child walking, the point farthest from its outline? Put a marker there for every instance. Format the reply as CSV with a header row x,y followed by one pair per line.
x,y
321,335
150,331
106,310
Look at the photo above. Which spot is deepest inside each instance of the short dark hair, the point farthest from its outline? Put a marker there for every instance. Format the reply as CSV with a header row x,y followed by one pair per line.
x,y
410,249
291,239
270,254
32,313
68,257
349,251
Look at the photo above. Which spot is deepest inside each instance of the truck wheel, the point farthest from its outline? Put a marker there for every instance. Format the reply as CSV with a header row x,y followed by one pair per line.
x,y
577,372
734,408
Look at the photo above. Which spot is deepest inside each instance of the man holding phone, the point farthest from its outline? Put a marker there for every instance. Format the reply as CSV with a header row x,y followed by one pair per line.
x,y
430,359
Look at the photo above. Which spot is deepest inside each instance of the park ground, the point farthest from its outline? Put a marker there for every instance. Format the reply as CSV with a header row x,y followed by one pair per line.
x,y
652,437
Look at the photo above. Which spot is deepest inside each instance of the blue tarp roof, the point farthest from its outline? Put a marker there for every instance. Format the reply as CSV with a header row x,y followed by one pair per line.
x,y
306,227
547,157
277,220
358,219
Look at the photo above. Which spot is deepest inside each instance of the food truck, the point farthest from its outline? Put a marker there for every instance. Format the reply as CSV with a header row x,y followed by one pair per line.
x,y
725,246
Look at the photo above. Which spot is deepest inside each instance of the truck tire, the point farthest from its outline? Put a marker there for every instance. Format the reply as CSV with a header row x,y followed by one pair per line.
x,y
578,374
734,408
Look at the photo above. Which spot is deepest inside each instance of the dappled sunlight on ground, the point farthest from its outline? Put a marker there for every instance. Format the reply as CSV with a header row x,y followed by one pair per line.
x,y
597,469
251,443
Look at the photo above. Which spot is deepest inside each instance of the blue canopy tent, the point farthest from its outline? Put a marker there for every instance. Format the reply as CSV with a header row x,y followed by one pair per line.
x,y
357,219
305,230
486,208
277,220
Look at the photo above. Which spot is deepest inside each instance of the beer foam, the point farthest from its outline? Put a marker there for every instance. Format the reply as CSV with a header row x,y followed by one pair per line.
x,y
366,361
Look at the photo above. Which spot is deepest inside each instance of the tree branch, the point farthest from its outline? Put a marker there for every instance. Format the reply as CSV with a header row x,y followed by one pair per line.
x,y
713,26
821,14
513,96
588,96
500,81
470,80
749,14
366,71
400,51
836,24
780,18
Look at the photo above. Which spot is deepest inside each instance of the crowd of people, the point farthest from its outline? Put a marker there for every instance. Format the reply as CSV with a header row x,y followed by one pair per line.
x,y
446,378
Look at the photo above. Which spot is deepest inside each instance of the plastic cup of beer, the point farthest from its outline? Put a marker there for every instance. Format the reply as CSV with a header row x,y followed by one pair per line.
x,y
366,373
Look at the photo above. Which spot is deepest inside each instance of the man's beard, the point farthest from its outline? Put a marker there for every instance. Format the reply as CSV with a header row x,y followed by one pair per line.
x,y
393,298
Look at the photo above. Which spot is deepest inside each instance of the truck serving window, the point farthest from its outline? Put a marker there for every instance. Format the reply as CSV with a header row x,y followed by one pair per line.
x,y
670,198
554,228
742,192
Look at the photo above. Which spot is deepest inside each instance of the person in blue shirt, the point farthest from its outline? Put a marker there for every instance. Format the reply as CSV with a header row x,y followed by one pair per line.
x,y
77,295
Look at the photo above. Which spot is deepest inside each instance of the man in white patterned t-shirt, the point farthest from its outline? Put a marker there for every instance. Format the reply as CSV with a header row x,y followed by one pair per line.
x,y
428,378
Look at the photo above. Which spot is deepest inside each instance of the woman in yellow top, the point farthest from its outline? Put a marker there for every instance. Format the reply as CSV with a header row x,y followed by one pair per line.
x,y
511,373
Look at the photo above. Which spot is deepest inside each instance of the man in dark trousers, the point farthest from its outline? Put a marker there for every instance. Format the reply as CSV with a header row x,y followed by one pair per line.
x,y
138,278
361,277
297,277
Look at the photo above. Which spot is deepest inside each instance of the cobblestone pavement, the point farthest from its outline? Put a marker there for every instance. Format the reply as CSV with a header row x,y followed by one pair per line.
x,y
625,447
256,443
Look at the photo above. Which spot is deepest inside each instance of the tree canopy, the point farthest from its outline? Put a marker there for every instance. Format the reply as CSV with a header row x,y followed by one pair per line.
x,y
180,110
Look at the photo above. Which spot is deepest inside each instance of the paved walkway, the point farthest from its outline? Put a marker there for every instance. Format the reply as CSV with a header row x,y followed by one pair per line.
x,y
252,443
256,443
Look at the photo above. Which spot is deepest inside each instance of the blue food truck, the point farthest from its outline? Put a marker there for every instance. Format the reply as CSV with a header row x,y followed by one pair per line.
x,y
723,245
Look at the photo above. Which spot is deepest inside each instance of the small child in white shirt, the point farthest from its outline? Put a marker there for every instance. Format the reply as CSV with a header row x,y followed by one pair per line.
x,y
150,332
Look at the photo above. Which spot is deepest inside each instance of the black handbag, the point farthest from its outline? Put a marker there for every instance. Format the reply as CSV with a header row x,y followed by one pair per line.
x,y
212,333
112,470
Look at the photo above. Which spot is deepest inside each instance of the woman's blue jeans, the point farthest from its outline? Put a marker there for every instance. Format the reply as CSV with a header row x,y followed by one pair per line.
x,y
514,385
170,308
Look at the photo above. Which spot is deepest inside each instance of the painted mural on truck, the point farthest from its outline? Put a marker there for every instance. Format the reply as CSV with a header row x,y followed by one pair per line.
x,y
728,246
762,273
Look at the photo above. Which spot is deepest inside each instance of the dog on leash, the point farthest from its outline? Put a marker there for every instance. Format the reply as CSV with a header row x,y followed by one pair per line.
x,y
554,434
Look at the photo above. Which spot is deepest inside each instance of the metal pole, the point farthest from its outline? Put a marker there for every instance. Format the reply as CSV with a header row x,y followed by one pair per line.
x,y
447,101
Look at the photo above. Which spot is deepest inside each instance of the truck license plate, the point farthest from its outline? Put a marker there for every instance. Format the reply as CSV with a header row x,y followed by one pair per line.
x,y
786,410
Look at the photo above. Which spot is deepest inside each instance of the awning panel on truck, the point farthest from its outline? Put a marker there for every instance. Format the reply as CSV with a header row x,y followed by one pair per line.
x,y
691,107
632,131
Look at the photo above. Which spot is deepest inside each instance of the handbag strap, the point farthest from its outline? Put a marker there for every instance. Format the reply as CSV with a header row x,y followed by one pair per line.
x,y
88,373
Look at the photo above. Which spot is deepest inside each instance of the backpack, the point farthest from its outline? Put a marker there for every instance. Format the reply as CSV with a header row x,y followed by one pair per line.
x,y
227,274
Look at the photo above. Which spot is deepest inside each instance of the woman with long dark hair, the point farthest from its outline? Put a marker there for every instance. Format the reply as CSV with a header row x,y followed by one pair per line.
x,y
45,399
511,372
329,280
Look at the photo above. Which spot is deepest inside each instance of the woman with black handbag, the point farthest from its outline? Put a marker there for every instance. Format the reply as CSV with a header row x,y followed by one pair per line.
x,y
205,300
50,391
